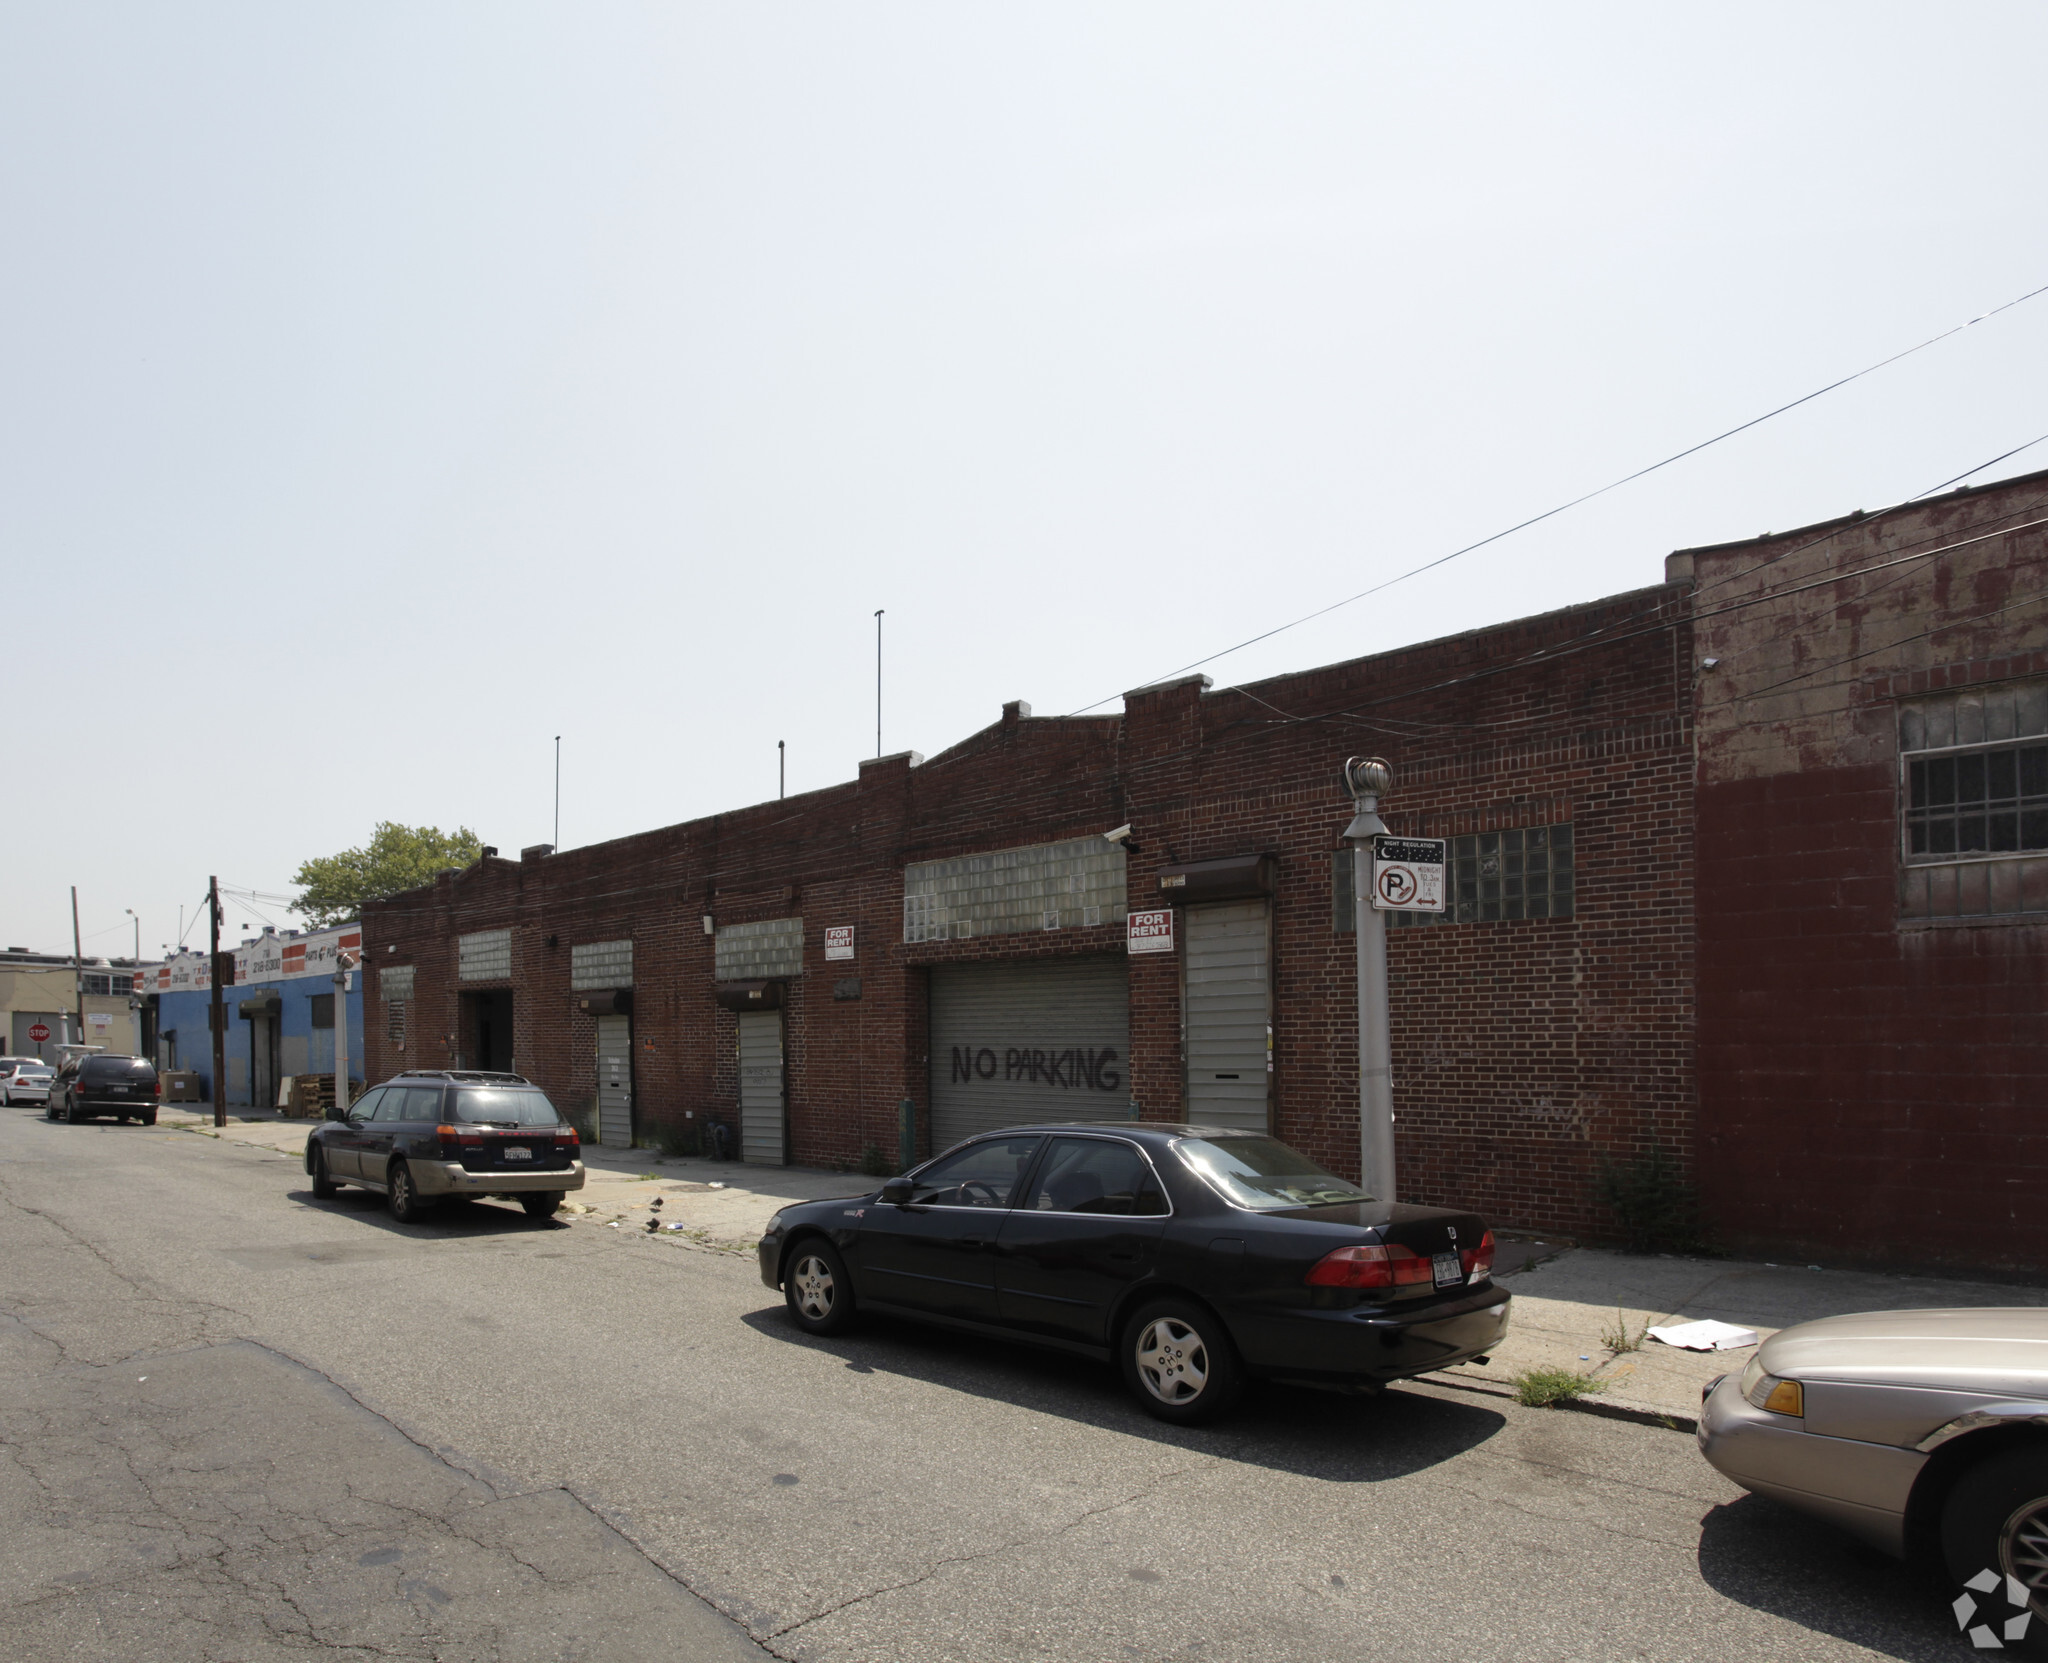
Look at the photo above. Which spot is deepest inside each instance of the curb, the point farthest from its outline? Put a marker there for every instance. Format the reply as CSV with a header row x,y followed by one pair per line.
x,y
1608,1408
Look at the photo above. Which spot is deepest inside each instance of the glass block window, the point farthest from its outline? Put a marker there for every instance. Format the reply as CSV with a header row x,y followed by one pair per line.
x,y
485,956
1992,801
394,1024
396,983
1493,877
599,964
761,951
1046,886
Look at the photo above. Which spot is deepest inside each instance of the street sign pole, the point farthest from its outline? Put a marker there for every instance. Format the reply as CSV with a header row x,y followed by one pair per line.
x,y
1367,779
342,961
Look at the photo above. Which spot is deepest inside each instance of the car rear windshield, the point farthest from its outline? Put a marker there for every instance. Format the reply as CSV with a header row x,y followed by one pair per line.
x,y
116,1065
505,1106
1264,1175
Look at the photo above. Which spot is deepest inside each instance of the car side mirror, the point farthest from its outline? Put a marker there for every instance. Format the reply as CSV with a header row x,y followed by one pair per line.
x,y
898,1191
336,1112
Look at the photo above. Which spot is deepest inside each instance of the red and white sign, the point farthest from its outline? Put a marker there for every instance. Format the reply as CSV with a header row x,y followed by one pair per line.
x,y
38,1032
1150,932
839,941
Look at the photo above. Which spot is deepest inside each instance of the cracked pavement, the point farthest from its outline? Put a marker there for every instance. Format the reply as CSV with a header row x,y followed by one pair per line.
x,y
237,1423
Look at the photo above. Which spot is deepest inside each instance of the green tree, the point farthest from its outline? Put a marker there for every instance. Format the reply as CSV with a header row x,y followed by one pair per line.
x,y
333,888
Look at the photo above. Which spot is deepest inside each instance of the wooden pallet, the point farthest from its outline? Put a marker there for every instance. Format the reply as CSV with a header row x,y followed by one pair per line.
x,y
309,1096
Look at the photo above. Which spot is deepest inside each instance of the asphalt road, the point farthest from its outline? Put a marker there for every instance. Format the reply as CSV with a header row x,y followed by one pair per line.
x,y
242,1424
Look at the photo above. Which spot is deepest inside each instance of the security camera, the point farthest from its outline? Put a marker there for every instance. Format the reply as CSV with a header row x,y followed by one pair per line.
x,y
1121,835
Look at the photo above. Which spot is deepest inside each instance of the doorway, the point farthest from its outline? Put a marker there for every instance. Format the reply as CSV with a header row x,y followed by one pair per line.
x,y
487,1030
615,1082
763,1121
1227,999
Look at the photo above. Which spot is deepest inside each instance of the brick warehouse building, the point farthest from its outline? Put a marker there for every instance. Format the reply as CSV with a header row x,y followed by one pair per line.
x,y
681,974
1670,928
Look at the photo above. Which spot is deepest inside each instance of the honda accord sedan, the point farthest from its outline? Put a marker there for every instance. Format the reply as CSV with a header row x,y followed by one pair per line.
x,y
1193,1258
1923,1432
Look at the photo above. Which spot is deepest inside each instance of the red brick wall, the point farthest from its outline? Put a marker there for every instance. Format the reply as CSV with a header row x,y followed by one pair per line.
x,y
1523,1050
1875,1093
1871,1083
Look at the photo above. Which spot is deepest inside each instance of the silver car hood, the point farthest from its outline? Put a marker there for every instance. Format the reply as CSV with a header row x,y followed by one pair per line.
x,y
1999,1350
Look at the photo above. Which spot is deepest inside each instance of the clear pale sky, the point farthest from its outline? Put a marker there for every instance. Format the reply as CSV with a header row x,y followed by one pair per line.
x,y
389,388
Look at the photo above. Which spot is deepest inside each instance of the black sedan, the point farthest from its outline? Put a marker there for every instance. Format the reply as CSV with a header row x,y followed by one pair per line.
x,y
1194,1258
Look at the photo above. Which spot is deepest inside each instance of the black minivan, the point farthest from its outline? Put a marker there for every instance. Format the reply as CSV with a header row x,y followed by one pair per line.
x,y
86,1088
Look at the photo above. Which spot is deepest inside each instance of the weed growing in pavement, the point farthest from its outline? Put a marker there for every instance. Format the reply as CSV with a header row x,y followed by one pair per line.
x,y
1621,1337
647,1175
1656,1209
875,1164
1539,1388
679,1142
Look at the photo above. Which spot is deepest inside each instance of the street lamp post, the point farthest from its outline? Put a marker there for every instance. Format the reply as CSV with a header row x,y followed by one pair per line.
x,y
1368,779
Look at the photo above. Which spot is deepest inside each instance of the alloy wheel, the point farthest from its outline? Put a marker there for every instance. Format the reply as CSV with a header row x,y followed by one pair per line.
x,y
1172,1361
2023,1550
814,1286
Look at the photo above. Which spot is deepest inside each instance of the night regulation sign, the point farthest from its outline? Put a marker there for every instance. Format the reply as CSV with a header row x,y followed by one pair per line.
x,y
1408,873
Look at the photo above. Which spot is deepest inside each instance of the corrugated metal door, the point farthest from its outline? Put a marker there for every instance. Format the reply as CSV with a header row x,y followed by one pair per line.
x,y
761,1106
615,1082
1228,1007
1030,1040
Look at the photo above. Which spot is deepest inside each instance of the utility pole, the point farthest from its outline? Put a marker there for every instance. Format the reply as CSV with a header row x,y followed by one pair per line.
x,y
558,791
781,771
217,1011
77,969
1368,779
878,680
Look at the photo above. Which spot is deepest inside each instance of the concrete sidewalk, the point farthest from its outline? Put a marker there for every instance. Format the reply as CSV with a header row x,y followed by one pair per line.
x,y
1571,1311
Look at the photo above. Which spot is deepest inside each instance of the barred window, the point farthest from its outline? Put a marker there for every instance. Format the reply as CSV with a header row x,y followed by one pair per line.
x,y
394,1029
1493,876
1979,802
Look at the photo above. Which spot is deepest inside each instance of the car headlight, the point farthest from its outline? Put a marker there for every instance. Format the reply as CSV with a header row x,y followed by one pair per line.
x,y
775,1224
1769,1391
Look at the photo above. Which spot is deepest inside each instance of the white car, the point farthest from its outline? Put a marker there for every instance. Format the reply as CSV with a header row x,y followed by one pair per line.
x,y
25,1082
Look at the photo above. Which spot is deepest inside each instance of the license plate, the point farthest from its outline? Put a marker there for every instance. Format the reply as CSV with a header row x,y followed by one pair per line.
x,y
516,1154
1449,1272
117,1091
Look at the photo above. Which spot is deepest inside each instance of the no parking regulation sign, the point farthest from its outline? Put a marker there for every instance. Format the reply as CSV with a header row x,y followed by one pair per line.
x,y
1408,873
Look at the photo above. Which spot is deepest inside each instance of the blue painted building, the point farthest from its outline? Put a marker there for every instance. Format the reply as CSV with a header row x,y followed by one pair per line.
x,y
281,1013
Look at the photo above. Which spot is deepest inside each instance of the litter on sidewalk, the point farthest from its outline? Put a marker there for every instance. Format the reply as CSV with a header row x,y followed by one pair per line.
x,y
1704,1336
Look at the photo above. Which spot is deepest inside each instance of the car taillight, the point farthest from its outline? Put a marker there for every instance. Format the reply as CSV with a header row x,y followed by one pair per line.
x,y
1369,1267
566,1134
455,1139
156,1088
1478,1261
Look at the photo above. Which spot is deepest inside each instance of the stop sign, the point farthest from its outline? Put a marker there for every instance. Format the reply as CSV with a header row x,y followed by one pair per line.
x,y
38,1031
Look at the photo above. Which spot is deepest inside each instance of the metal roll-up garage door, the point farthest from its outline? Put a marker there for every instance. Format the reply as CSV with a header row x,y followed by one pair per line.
x,y
1228,1006
615,1082
1042,1039
761,1116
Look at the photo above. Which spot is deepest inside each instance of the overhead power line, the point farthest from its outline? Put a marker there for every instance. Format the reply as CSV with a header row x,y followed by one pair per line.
x,y
1601,491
